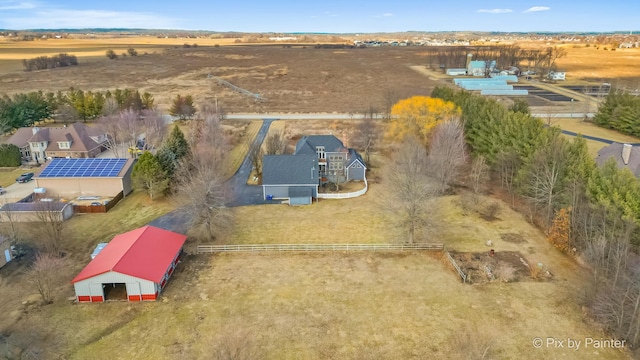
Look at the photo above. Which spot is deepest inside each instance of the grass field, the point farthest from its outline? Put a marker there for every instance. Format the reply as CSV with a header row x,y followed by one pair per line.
x,y
338,305
588,128
239,150
9,177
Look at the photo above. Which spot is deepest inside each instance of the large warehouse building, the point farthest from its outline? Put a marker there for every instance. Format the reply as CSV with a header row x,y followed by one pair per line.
x,y
70,178
134,266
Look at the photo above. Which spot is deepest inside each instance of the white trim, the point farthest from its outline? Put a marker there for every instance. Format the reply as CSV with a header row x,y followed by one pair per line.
x,y
358,160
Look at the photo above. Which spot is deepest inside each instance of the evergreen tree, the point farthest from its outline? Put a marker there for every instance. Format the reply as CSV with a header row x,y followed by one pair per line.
x,y
177,143
148,175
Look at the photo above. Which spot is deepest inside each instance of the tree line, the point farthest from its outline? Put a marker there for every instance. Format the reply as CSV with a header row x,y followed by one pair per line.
x,y
49,62
587,211
26,109
621,112
540,60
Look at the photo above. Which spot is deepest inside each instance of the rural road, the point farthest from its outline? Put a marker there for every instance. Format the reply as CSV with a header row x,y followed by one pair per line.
x,y
343,116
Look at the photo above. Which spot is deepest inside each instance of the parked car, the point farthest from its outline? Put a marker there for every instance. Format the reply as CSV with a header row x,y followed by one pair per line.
x,y
2,191
26,177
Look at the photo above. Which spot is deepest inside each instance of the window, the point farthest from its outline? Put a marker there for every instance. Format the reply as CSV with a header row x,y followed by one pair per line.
x,y
335,166
320,152
64,144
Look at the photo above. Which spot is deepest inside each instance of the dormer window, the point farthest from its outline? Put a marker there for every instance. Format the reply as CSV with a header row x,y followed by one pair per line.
x,y
64,144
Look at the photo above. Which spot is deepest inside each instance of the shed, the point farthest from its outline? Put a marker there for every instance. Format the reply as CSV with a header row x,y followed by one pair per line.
x,y
38,211
70,178
134,266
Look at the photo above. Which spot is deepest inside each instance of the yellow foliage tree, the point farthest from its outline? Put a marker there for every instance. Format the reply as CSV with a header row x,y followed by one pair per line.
x,y
560,230
418,115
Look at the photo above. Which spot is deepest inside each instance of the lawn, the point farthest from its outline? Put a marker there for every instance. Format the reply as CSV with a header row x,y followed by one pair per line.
x,y
588,128
9,177
340,305
239,150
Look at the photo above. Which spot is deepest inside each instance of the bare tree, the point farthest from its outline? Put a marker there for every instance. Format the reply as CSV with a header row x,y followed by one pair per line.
x,y
154,128
111,128
447,153
545,174
366,138
410,187
51,224
508,163
8,216
479,173
66,113
391,97
202,192
45,275
255,154
275,144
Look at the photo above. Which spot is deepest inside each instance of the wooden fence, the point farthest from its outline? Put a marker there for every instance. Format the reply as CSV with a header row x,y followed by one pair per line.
x,y
93,209
463,276
210,249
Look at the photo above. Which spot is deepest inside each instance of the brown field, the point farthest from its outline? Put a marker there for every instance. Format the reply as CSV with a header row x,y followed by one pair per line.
x,y
315,306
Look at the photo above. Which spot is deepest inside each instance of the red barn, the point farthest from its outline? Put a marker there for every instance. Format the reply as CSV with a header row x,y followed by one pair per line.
x,y
134,266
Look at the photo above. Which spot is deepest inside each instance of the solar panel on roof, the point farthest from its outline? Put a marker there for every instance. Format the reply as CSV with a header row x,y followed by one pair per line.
x,y
83,168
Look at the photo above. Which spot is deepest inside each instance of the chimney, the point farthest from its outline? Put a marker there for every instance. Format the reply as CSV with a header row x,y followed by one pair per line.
x,y
34,130
626,153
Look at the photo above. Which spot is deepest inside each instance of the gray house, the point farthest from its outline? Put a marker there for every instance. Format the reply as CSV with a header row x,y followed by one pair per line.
x,y
290,177
336,162
625,155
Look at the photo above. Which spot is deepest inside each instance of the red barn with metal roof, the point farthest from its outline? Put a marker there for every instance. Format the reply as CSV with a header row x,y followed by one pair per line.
x,y
134,266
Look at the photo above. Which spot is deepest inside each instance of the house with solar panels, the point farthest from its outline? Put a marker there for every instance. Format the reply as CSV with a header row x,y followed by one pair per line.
x,y
85,178
133,266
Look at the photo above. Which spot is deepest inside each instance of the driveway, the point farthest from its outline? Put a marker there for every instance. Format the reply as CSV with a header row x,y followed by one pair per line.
x,y
241,193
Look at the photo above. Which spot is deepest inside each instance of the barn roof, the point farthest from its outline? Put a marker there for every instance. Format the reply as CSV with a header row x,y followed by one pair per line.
x,y
145,253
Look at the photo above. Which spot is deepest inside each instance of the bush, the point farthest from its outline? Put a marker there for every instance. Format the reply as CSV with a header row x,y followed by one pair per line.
x,y
10,155
111,54
46,62
132,51
490,212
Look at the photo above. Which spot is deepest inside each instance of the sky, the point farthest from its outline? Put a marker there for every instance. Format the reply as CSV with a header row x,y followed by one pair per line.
x,y
326,16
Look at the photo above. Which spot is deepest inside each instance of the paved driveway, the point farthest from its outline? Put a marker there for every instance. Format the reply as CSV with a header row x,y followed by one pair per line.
x,y
241,193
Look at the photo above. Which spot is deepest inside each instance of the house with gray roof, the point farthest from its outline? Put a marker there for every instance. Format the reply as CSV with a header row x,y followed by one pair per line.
x,y
74,141
336,162
290,177
318,159
625,155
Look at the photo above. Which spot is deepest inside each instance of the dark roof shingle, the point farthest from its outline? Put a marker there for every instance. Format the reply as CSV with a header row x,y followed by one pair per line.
x,y
290,170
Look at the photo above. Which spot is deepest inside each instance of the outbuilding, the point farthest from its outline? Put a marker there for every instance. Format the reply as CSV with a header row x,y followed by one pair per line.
x,y
134,266
70,178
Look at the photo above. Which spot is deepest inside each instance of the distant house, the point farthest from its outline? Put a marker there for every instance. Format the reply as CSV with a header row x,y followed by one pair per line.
x,y
5,251
74,141
318,159
479,67
557,75
625,155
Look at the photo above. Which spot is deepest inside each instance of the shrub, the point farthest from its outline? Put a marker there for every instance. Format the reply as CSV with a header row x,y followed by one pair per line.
x,y
9,155
50,62
132,51
111,54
